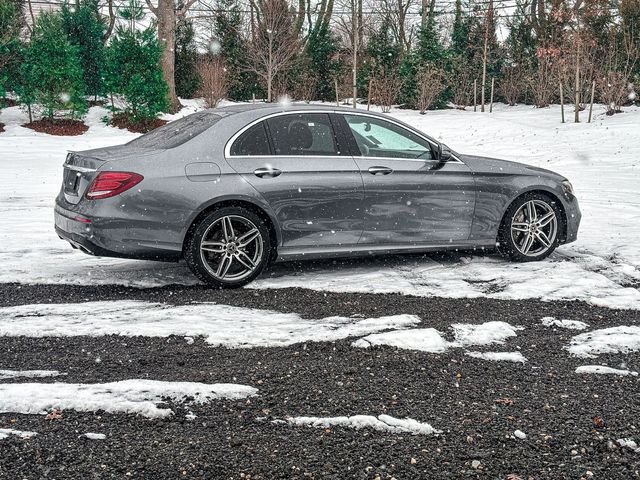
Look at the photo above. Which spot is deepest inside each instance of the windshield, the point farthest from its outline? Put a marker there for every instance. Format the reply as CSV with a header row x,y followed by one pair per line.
x,y
177,132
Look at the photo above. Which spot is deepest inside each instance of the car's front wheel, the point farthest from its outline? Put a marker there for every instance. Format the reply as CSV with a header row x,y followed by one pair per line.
x,y
228,248
531,228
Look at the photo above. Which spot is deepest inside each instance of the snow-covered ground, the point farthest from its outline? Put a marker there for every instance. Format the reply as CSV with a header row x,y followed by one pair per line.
x,y
141,397
219,325
602,159
382,423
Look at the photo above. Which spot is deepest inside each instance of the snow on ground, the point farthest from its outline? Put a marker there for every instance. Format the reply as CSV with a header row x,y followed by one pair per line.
x,y
602,159
516,357
569,324
5,432
382,423
432,341
628,443
94,436
602,369
7,374
129,396
219,324
621,339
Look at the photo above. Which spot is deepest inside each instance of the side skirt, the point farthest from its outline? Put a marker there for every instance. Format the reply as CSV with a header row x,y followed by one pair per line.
x,y
287,254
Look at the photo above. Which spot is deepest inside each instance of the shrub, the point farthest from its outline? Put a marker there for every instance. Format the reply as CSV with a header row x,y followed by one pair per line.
x,y
134,73
52,73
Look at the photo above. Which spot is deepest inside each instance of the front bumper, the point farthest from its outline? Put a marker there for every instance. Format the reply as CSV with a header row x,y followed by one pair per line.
x,y
573,214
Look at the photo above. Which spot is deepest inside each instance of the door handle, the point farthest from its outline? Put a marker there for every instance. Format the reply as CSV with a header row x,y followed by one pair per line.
x,y
380,170
268,172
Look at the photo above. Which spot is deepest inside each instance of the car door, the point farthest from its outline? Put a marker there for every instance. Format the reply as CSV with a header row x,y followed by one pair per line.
x,y
311,182
410,196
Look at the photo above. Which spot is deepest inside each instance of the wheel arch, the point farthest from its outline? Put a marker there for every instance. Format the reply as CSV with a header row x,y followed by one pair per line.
x,y
274,232
542,191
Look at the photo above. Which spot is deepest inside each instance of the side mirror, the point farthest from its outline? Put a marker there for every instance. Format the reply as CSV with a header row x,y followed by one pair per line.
x,y
444,153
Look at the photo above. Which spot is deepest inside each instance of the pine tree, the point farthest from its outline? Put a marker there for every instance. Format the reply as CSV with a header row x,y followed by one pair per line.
x,y
231,46
383,50
321,48
52,72
133,72
9,45
428,54
85,29
186,67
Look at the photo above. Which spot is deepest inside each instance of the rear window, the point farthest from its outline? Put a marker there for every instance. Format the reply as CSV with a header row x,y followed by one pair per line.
x,y
177,132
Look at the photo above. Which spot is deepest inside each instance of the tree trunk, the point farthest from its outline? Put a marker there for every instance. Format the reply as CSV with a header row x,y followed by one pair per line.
x,y
166,14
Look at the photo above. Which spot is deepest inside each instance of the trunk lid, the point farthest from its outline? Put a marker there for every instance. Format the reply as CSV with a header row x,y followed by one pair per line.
x,y
81,168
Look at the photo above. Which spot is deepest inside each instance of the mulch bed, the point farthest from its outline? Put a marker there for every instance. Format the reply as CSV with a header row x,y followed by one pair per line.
x,y
1,127
123,121
60,127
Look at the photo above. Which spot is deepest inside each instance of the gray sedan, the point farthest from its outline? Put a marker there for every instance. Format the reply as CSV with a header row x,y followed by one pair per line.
x,y
232,189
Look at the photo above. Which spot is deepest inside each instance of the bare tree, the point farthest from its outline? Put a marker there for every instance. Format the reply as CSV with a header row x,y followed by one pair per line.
x,y
168,14
276,42
397,11
351,28
543,82
387,88
512,83
431,83
215,82
306,87
614,82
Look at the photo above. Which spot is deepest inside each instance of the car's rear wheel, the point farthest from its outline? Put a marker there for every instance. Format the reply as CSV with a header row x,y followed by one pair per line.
x,y
531,228
228,248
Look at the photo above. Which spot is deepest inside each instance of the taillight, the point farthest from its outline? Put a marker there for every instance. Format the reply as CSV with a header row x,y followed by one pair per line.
x,y
109,184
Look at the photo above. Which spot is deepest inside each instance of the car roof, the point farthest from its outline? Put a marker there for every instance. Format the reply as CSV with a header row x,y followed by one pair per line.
x,y
264,109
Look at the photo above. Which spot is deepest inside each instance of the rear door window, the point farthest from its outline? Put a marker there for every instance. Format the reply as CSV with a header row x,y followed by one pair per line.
x,y
253,142
302,134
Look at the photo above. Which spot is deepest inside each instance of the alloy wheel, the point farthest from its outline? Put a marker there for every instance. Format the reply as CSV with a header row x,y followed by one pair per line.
x,y
231,248
534,228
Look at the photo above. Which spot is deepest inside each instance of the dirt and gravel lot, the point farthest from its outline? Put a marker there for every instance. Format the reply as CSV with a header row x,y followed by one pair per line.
x,y
571,421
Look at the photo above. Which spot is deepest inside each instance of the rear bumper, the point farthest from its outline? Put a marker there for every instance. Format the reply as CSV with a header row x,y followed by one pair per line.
x,y
93,239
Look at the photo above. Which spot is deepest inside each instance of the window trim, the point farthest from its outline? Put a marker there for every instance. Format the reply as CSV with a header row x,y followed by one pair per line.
x,y
343,148
230,142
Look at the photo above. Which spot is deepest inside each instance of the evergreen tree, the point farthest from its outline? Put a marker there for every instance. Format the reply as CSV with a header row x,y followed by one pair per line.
x,y
321,48
9,45
52,72
133,71
460,32
186,61
230,44
384,52
429,53
85,29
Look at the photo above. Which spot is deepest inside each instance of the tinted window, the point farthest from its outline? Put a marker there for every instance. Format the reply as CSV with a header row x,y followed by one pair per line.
x,y
252,142
378,138
177,132
302,134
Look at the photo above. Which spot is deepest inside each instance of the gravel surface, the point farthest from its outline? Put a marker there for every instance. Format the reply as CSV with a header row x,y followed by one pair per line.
x,y
571,421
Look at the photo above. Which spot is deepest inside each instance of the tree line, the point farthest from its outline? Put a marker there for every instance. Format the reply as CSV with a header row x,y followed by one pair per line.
x,y
416,53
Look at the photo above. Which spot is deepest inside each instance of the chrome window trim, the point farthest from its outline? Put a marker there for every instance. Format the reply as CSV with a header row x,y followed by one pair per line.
x,y
235,136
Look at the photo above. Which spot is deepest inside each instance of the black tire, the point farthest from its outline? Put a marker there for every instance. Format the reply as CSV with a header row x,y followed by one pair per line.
x,y
210,230
507,244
